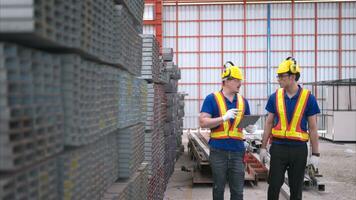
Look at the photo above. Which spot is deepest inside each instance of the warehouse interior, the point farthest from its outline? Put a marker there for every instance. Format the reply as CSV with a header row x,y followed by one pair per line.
x,y
100,99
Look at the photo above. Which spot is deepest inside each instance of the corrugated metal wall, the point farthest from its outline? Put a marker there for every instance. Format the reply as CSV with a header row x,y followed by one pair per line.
x,y
321,36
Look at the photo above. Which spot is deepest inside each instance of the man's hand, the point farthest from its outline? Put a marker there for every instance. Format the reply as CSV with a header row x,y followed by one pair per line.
x,y
314,160
251,128
230,114
263,155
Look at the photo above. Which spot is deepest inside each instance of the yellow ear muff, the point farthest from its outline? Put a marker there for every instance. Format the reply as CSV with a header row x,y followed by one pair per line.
x,y
227,71
293,65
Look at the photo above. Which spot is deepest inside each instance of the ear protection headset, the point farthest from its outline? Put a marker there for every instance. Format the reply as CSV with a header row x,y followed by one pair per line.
x,y
227,70
293,66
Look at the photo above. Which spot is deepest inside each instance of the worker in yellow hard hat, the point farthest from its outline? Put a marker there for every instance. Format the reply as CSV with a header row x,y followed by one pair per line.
x,y
222,111
290,124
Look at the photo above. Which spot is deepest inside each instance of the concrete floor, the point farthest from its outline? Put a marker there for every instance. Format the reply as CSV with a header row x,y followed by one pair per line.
x,y
337,165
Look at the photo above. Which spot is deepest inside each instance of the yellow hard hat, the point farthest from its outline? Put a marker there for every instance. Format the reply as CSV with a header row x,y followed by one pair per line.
x,y
288,65
232,71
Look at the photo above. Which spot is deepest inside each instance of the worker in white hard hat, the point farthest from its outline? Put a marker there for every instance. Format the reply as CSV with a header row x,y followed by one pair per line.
x,y
290,124
222,112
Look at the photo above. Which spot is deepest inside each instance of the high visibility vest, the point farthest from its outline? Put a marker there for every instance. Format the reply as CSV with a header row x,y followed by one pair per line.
x,y
226,129
293,129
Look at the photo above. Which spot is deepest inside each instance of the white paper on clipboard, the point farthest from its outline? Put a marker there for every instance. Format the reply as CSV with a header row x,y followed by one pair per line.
x,y
248,120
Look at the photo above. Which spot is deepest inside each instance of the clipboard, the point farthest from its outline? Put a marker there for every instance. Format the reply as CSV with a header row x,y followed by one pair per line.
x,y
248,120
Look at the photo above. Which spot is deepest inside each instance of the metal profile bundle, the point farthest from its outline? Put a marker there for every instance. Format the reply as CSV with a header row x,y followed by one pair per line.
x,y
109,98
132,93
151,63
31,115
180,118
156,185
90,28
163,75
167,54
136,187
172,70
36,182
100,155
128,42
75,172
86,172
130,142
118,191
170,155
154,150
81,97
135,7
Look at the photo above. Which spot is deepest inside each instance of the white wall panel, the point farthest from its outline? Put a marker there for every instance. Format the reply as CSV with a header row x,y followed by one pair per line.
x,y
148,29
210,28
305,59
256,11
328,42
256,91
281,27
257,107
191,90
328,10
256,59
233,43
169,43
347,27
327,74
349,72
328,26
210,60
305,10
188,12
347,42
207,89
304,26
278,57
256,27
210,75
210,44
304,42
236,58
349,58
188,44
187,28
281,10
190,75
191,111
328,58
233,12
148,13
169,29
210,12
188,60
256,74
349,9
281,14
233,28
281,43
256,43
307,75
169,13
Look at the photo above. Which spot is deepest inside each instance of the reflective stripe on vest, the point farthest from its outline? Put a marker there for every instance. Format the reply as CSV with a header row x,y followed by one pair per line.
x,y
225,130
293,130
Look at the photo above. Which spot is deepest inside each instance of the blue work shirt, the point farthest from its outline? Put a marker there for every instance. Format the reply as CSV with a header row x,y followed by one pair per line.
x,y
311,109
210,106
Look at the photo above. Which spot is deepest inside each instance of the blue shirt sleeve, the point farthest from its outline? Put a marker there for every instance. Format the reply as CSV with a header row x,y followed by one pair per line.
x,y
270,107
247,107
312,106
208,106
